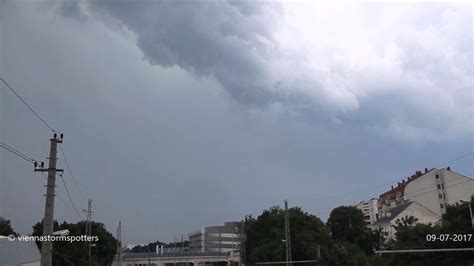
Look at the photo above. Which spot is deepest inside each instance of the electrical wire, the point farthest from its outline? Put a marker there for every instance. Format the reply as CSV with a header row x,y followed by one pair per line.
x,y
433,190
455,159
17,152
425,192
351,192
27,105
70,172
64,201
69,196
27,158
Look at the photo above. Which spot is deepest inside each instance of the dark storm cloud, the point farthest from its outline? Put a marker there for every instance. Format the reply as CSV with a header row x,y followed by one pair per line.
x,y
159,144
222,40
304,60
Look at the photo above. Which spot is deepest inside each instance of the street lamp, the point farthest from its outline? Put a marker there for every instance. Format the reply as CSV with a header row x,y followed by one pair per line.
x,y
470,211
64,232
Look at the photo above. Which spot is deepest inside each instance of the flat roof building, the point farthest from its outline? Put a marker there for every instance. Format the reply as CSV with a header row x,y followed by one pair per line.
x,y
223,238
370,210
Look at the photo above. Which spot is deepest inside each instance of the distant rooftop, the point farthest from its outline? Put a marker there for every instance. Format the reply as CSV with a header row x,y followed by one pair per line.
x,y
18,252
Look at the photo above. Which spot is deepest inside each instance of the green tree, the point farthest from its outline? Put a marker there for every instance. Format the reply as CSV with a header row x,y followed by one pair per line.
x,y
410,235
344,254
65,253
6,227
347,226
457,218
266,232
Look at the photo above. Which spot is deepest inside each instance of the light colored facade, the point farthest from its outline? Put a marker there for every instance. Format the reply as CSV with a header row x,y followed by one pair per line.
x,y
370,210
438,188
433,189
226,238
17,252
406,209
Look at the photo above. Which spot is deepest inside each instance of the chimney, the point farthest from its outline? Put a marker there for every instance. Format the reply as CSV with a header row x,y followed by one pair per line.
x,y
426,170
449,168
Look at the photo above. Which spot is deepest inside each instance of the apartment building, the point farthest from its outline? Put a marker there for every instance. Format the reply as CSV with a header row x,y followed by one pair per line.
x,y
433,189
370,210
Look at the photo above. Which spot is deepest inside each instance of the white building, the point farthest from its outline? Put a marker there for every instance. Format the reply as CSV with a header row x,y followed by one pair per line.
x,y
370,210
433,189
438,188
406,209
224,238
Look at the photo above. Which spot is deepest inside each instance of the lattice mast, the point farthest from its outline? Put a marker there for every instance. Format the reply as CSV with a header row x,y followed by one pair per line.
x,y
287,235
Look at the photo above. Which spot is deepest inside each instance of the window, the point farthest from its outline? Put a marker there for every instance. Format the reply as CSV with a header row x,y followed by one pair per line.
x,y
441,205
437,176
440,196
439,186
444,195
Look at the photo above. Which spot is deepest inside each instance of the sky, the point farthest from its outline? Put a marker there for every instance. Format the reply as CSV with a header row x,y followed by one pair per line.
x,y
180,115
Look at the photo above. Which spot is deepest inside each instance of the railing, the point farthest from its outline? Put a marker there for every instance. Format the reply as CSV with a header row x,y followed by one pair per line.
x,y
174,254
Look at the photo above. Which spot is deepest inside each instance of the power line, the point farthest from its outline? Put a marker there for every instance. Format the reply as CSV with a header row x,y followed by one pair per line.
x,y
61,198
31,160
433,190
351,192
69,196
27,105
429,187
23,156
70,172
429,191
321,210
455,159
17,152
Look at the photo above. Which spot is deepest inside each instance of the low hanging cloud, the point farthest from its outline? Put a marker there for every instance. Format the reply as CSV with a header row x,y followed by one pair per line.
x,y
334,61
